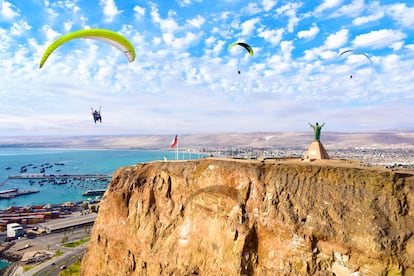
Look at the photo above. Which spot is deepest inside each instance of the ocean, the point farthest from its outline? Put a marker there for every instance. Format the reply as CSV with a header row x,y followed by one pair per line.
x,y
66,161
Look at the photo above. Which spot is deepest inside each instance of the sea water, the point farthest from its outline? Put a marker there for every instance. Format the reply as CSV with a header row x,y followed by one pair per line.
x,y
66,161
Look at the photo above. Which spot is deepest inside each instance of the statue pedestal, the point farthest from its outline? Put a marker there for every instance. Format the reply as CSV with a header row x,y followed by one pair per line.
x,y
316,151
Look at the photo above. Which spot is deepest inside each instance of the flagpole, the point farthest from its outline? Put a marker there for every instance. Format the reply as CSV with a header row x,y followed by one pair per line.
x,y
176,151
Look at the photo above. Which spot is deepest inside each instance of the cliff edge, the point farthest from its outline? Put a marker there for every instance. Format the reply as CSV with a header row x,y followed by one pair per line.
x,y
235,217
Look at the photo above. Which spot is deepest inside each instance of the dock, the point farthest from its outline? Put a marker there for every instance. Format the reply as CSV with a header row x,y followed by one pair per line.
x,y
16,192
57,176
62,176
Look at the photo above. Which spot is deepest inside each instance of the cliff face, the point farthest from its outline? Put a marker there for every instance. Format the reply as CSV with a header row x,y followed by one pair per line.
x,y
229,217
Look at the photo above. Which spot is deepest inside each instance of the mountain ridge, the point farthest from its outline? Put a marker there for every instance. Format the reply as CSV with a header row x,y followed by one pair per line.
x,y
302,139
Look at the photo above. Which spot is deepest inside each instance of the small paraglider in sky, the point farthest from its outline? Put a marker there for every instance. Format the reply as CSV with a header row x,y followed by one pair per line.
x,y
354,52
246,46
108,36
97,115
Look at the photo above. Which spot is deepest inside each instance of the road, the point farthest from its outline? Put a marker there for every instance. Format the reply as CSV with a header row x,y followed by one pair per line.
x,y
54,242
52,267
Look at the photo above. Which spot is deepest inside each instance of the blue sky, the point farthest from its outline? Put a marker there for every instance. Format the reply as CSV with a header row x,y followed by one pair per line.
x,y
184,79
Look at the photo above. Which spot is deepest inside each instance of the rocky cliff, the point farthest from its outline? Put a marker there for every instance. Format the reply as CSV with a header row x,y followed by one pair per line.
x,y
233,217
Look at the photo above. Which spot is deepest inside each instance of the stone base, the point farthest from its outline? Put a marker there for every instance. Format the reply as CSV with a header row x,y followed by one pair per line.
x,y
316,151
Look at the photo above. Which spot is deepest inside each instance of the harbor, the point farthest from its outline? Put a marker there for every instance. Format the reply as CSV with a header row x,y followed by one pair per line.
x,y
56,178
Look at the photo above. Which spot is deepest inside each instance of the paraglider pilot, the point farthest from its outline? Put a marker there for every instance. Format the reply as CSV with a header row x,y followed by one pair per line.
x,y
96,115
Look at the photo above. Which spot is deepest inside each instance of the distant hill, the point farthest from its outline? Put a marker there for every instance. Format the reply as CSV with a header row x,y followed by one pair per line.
x,y
331,140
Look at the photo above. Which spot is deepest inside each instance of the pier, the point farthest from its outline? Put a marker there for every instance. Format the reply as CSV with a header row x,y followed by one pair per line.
x,y
57,176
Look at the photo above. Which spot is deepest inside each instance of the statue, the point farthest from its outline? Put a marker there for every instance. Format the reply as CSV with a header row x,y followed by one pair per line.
x,y
317,130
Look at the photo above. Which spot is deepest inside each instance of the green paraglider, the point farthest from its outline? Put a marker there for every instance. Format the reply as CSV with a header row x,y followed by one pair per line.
x,y
108,36
246,46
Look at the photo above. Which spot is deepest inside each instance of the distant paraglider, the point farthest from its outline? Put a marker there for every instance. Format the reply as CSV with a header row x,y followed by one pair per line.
x,y
113,38
97,115
246,46
354,52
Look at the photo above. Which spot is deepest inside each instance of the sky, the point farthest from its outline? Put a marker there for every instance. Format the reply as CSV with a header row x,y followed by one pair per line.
x,y
185,80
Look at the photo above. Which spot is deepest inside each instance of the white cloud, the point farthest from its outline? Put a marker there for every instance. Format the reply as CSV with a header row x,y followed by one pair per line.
x,y
268,4
402,14
272,36
309,34
168,25
327,4
287,48
397,45
197,21
19,28
251,8
139,12
353,9
7,11
50,33
366,19
184,3
179,43
110,10
337,39
249,26
378,39
290,11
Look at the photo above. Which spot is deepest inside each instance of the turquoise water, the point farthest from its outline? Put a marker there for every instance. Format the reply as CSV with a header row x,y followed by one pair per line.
x,y
74,162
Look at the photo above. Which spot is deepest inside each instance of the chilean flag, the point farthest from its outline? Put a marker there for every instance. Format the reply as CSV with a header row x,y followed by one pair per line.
x,y
174,142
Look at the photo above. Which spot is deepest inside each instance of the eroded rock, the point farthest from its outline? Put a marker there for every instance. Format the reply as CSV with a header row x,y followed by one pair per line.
x,y
229,217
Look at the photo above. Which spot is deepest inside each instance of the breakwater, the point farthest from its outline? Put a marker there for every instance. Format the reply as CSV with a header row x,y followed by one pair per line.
x,y
58,176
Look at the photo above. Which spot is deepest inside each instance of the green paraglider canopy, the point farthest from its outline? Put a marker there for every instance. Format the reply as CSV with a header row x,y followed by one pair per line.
x,y
108,36
242,44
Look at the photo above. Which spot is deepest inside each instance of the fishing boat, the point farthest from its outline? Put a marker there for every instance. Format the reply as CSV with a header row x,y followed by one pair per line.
x,y
94,192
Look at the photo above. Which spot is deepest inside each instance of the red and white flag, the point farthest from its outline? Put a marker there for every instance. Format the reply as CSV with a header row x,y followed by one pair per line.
x,y
174,142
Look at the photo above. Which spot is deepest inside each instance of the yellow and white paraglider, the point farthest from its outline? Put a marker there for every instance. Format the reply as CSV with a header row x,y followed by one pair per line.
x,y
246,46
108,36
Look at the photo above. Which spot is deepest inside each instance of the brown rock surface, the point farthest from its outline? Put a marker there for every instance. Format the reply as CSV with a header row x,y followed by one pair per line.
x,y
229,217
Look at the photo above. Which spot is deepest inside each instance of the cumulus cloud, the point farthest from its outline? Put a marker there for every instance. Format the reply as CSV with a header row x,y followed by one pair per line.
x,y
168,25
327,4
184,3
110,10
197,21
369,18
379,39
179,42
272,36
337,39
309,34
249,26
290,10
251,8
268,4
7,11
402,14
19,28
139,12
353,9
